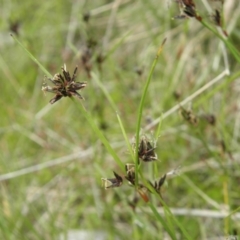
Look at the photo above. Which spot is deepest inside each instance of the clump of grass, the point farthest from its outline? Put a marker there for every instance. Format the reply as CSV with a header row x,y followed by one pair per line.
x,y
179,145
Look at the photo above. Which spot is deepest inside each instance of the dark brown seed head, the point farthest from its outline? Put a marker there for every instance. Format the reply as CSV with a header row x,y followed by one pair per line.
x,y
64,85
189,116
146,151
217,18
112,182
210,118
86,17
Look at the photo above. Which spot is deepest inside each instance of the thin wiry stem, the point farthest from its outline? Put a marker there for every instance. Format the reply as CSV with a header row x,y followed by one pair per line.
x,y
190,212
32,57
206,213
188,99
78,155
224,39
201,193
32,136
140,110
212,164
81,155
100,134
41,113
10,77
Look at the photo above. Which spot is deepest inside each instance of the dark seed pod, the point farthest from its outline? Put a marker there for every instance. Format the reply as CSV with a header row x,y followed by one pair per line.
x,y
112,182
64,85
146,150
189,116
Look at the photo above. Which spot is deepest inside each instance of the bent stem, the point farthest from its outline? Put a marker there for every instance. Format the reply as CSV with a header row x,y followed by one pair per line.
x,y
188,99
229,45
98,132
130,149
32,57
114,107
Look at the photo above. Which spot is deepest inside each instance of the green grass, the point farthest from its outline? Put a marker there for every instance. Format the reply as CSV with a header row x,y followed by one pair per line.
x,y
52,157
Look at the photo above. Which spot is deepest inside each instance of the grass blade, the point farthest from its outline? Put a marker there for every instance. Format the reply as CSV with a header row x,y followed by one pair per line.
x,y
140,110
32,57
98,132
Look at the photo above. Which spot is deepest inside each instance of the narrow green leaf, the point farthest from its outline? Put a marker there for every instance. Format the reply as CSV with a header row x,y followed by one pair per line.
x,y
140,109
32,57
98,132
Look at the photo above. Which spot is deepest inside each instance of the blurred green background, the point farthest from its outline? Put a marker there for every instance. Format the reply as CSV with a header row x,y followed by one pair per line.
x,y
51,160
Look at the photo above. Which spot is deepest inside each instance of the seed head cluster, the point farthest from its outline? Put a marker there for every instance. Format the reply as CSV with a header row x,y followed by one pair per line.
x,y
64,85
146,153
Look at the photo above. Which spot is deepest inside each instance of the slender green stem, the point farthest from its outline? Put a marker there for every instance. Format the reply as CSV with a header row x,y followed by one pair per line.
x,y
233,212
140,110
118,43
98,132
167,212
103,88
125,136
114,107
201,193
32,57
162,221
158,128
230,46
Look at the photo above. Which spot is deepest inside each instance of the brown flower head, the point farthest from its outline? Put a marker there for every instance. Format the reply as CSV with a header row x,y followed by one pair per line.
x,y
210,118
64,85
189,116
86,16
217,19
187,9
112,182
158,184
146,150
